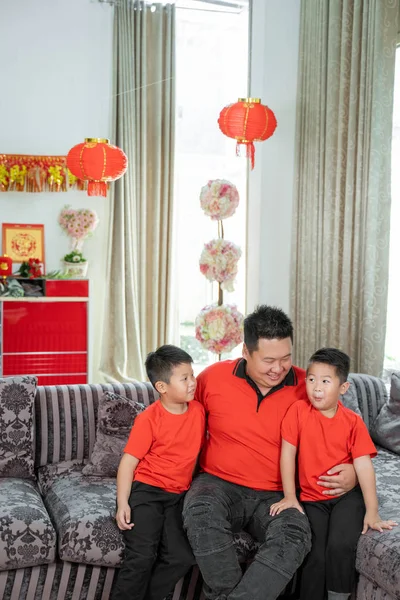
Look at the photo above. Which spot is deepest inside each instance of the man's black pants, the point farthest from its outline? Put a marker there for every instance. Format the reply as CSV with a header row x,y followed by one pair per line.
x,y
336,526
157,553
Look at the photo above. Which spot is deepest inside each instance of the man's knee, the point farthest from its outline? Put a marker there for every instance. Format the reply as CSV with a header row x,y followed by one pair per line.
x,y
291,534
201,511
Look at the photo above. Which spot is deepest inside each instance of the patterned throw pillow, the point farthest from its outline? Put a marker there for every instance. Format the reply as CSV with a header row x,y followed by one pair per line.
x,y
386,427
116,417
17,400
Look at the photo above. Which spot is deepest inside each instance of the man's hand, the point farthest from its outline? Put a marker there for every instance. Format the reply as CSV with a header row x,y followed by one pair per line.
x,y
340,480
373,521
123,517
284,504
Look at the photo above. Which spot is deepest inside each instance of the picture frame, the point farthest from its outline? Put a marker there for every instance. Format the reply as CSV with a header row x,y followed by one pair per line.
x,y
23,241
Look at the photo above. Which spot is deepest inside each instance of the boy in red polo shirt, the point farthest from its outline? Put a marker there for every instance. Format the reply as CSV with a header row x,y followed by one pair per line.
x,y
323,433
160,457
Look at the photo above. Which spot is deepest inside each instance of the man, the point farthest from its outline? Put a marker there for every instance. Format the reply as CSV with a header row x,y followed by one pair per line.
x,y
245,401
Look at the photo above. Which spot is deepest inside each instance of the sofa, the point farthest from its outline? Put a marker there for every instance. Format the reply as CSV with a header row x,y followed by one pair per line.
x,y
58,537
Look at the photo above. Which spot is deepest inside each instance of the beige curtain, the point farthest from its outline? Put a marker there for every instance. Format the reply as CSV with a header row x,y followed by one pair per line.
x,y
140,314
342,203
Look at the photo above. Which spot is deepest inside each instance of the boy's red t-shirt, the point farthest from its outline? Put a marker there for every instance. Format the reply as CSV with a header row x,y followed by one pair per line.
x,y
323,443
167,446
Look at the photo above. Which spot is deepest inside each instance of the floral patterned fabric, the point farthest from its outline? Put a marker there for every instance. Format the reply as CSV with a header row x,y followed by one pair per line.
x,y
83,510
378,554
27,536
386,427
17,397
116,417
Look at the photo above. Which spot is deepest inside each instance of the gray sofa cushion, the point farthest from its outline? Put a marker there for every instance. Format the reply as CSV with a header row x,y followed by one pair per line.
x,y
27,535
82,510
370,394
378,554
17,397
115,419
386,427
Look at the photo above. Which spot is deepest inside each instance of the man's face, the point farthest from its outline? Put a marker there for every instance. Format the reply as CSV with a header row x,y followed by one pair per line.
x,y
269,364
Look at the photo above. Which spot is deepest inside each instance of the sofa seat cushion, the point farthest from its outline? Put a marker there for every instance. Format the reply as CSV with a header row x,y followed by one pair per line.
x,y
378,554
27,536
82,510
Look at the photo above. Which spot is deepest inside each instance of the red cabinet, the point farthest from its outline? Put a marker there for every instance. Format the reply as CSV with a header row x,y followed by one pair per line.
x,y
47,337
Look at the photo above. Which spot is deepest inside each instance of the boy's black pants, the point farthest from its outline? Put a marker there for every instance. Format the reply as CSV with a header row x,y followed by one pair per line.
x,y
157,553
336,526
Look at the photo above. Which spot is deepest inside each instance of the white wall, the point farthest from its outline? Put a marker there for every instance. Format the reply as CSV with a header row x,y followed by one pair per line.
x,y
274,55
56,75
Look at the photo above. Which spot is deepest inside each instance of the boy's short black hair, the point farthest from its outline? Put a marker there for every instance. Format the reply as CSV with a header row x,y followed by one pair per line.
x,y
267,322
159,364
334,357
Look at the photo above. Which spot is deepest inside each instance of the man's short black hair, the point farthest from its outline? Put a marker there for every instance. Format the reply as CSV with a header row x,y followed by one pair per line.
x,y
334,357
159,364
267,322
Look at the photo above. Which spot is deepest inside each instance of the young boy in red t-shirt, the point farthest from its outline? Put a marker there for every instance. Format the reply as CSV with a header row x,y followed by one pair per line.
x,y
323,433
160,457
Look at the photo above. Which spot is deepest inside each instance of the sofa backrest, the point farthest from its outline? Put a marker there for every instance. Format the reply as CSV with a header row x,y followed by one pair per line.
x,y
66,418
369,392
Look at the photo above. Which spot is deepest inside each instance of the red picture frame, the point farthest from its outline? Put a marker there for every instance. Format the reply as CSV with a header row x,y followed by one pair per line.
x,y
23,241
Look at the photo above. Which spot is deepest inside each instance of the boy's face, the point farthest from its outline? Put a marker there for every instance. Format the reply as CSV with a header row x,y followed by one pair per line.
x,y
181,386
323,386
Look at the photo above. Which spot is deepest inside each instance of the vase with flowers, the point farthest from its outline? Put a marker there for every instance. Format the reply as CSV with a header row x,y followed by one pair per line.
x,y
78,224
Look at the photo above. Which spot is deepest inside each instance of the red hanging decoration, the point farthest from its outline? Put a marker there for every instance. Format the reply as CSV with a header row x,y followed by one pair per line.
x,y
97,162
5,266
247,121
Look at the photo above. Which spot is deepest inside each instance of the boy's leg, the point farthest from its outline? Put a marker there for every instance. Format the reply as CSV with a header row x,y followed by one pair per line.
x,y
344,531
175,557
312,576
141,542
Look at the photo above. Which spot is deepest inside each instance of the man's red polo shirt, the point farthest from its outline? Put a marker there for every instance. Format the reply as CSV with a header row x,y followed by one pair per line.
x,y
244,428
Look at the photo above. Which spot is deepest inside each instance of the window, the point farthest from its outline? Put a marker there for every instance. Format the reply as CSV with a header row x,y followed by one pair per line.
x,y
212,71
392,349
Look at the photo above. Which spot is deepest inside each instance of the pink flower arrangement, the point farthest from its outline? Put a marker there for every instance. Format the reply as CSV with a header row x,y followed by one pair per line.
x,y
219,262
219,328
219,199
78,223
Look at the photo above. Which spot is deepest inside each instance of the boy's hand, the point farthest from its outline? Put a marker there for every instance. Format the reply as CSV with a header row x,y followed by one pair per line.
x,y
123,517
375,522
284,504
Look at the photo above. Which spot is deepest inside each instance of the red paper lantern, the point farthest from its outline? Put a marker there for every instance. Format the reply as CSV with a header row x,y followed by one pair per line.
x,y
247,121
5,266
97,162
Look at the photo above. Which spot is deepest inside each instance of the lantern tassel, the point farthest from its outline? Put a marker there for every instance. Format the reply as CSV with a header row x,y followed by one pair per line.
x,y
97,188
250,151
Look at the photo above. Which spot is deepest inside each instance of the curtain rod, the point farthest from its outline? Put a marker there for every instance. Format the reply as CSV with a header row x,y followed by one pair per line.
x,y
229,7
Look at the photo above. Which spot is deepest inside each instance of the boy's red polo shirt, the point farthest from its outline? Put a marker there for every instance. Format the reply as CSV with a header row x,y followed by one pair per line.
x,y
324,443
167,445
244,429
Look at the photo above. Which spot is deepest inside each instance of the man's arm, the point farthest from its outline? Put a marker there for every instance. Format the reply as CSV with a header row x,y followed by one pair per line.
x,y
126,469
288,474
366,476
339,480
